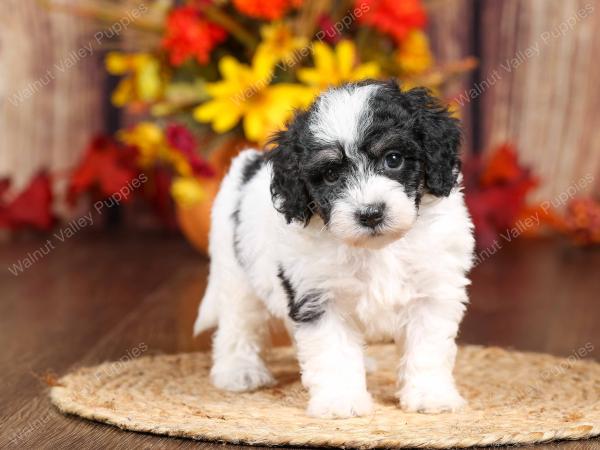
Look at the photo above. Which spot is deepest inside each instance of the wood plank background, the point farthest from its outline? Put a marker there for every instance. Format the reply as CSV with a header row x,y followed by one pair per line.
x,y
547,104
48,107
451,30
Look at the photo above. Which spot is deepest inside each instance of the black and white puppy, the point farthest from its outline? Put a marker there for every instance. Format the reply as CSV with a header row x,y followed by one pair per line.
x,y
352,228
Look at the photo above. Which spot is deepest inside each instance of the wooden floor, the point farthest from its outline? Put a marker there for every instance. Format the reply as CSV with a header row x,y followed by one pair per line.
x,y
96,297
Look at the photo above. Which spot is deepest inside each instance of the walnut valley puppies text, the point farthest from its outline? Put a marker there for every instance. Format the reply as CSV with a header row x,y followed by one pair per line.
x,y
74,57
73,227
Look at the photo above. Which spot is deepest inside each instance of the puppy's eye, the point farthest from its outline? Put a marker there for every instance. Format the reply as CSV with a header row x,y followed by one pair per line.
x,y
331,176
392,160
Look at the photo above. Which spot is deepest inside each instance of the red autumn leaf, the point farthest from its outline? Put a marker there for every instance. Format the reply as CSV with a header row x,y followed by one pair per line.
x,y
32,207
496,192
549,218
503,167
105,167
582,221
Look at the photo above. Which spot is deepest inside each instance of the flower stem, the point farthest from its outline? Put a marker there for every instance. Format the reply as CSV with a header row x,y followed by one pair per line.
x,y
219,17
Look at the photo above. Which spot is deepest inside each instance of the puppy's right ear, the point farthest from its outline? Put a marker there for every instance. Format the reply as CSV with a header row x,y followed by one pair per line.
x,y
288,189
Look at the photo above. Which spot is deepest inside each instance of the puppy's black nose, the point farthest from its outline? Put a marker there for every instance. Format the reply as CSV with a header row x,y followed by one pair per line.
x,y
371,215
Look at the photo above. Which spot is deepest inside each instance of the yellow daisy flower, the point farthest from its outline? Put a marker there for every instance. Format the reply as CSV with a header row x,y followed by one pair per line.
x,y
149,140
280,43
245,93
414,56
187,191
336,67
142,81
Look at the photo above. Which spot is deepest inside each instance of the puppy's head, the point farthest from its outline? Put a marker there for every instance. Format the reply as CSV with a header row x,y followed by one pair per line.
x,y
361,157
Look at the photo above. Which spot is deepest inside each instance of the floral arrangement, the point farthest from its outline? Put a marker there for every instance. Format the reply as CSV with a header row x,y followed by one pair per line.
x,y
238,69
206,77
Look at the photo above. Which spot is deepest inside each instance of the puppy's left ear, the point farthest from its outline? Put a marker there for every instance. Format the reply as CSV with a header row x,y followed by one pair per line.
x,y
440,135
288,189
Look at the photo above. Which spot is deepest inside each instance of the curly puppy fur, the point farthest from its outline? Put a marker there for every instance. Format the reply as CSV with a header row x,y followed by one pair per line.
x,y
352,228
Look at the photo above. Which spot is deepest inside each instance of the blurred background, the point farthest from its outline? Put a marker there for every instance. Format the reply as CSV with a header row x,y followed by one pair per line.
x,y
119,118
97,92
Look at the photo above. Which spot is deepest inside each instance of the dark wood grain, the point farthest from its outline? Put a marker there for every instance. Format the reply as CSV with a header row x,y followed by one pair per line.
x,y
97,297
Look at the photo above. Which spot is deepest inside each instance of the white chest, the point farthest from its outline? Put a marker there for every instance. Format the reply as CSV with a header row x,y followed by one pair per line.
x,y
372,287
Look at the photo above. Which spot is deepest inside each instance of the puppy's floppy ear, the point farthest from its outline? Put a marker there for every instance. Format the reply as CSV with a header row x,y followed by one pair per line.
x,y
440,136
288,188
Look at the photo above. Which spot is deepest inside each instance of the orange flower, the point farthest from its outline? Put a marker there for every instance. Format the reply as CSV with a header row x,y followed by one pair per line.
x,y
266,9
503,167
189,35
394,17
414,56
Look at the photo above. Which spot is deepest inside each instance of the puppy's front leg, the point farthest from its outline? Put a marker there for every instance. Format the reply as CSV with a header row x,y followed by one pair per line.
x,y
331,357
425,375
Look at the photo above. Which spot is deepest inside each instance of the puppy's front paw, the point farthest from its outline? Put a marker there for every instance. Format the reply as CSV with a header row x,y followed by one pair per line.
x,y
339,405
430,397
239,375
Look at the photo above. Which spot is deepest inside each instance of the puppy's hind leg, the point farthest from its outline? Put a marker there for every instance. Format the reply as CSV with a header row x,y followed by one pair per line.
x,y
238,341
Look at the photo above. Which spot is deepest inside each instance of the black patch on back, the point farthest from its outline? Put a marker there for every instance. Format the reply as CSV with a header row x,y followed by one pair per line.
x,y
290,292
251,167
235,216
308,308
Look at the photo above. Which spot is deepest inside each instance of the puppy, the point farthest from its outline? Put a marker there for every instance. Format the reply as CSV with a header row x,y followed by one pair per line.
x,y
352,228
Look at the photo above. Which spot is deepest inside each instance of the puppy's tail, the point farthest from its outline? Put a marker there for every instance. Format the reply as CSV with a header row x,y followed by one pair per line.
x,y
207,313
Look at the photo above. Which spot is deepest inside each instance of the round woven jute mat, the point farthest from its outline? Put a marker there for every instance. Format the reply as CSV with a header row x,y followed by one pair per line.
x,y
513,398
